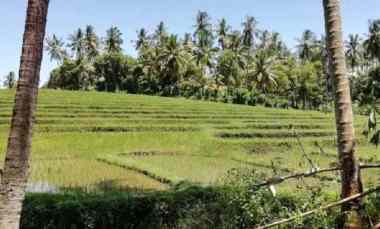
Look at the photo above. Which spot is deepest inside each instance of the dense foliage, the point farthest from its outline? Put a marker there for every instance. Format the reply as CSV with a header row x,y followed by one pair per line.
x,y
215,62
237,206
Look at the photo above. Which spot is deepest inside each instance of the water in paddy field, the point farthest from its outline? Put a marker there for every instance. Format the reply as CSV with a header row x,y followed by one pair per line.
x,y
41,187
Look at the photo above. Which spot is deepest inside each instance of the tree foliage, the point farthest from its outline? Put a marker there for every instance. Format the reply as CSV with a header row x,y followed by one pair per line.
x,y
216,63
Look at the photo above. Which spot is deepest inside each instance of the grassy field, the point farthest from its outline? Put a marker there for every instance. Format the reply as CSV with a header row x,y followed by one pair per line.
x,y
88,139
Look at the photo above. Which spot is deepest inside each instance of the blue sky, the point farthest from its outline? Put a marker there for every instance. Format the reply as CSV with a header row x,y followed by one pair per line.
x,y
289,17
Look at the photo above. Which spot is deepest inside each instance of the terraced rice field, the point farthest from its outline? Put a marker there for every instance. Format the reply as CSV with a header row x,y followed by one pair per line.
x,y
89,139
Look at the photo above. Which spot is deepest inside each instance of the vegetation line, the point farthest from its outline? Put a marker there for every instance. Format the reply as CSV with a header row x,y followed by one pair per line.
x,y
323,208
162,180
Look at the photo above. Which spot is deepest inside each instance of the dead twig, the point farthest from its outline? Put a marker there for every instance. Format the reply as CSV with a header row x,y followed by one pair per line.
x,y
304,154
279,179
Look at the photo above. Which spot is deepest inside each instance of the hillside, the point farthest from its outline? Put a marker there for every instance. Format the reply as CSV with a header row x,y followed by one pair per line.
x,y
90,139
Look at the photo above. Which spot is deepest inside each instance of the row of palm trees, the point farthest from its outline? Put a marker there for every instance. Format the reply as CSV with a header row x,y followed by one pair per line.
x,y
83,44
253,60
215,61
15,173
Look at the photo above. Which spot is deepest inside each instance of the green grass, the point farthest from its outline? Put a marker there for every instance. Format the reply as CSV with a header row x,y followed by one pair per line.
x,y
85,138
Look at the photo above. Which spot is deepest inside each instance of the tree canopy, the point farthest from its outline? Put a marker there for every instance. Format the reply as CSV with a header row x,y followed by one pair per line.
x,y
215,62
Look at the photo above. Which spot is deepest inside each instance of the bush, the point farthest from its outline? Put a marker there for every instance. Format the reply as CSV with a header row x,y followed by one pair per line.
x,y
238,205
121,210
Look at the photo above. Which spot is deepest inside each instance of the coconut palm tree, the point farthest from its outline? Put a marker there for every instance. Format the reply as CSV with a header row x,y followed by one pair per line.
x,y
16,165
222,32
142,39
91,43
353,52
205,59
160,35
231,62
265,39
234,41
372,43
306,45
172,59
271,42
203,31
10,80
55,48
147,70
188,42
249,30
351,179
77,44
113,40
261,71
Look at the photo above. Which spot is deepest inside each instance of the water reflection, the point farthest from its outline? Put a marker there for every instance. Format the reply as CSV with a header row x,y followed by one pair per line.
x,y
41,187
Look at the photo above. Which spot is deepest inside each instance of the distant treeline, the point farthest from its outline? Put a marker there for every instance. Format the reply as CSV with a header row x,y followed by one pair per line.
x,y
216,62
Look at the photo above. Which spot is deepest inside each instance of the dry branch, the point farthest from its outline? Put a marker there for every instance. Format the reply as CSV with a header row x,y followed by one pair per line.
x,y
313,172
323,208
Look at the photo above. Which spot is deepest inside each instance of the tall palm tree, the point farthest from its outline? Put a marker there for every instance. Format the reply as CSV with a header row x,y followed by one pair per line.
x,y
55,47
351,179
16,166
203,31
142,38
223,29
91,43
205,59
372,43
231,62
77,43
235,43
172,59
113,41
265,39
148,69
261,71
188,41
276,45
160,35
249,30
353,51
271,42
10,80
306,45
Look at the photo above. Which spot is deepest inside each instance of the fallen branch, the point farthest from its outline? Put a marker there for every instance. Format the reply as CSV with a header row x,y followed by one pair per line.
x,y
369,166
313,172
323,208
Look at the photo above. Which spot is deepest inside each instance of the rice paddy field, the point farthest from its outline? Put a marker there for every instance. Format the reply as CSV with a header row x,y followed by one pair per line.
x,y
90,139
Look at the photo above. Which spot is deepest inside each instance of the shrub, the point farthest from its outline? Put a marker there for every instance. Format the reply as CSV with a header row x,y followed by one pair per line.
x,y
238,205
120,210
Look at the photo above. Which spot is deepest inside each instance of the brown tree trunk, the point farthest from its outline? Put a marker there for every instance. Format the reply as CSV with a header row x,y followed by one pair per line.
x,y
16,166
351,180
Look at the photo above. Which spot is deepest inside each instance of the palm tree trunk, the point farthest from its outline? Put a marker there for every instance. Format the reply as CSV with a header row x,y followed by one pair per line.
x,y
351,180
16,166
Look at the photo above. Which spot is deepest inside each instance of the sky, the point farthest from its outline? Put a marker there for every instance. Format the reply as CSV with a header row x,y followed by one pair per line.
x,y
288,17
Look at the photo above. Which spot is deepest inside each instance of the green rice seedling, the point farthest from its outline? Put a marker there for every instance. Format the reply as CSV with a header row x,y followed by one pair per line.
x,y
90,139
